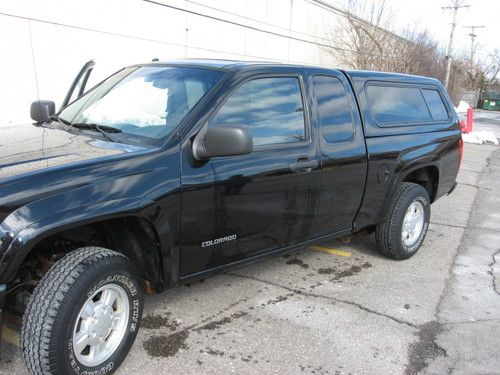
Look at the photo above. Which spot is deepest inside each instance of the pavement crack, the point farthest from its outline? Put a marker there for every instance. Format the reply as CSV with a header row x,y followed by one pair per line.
x,y
449,225
491,272
470,321
467,184
167,345
422,352
470,170
329,298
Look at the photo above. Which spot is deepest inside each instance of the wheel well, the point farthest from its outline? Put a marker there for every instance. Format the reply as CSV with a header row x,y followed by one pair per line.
x,y
134,237
427,177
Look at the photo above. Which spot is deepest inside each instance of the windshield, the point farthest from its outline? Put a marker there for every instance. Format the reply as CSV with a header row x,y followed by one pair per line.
x,y
142,102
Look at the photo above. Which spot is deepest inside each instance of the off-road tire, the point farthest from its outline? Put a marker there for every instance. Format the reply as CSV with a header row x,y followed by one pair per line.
x,y
388,232
51,313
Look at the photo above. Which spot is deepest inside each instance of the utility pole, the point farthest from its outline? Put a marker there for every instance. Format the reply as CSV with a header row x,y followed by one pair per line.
x,y
456,5
473,76
472,39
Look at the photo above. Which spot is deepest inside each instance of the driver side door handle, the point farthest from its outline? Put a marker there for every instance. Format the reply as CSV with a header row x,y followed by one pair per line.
x,y
304,165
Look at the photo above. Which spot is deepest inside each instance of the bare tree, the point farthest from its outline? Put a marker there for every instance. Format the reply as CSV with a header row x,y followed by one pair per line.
x,y
482,75
361,39
419,54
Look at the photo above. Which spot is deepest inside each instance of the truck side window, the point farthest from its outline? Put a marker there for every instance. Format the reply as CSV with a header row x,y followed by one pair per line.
x,y
334,111
435,104
271,107
397,104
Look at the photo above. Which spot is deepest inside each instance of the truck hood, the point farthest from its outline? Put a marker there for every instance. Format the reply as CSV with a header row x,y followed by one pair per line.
x,y
27,148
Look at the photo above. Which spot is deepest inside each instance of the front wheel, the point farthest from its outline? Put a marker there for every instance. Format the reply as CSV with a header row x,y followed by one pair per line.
x,y
401,233
83,315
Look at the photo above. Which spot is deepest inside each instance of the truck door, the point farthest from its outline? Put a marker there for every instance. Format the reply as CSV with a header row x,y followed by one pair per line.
x,y
343,150
236,207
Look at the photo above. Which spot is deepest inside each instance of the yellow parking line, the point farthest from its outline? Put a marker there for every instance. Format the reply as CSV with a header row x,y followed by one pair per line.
x,y
10,336
330,250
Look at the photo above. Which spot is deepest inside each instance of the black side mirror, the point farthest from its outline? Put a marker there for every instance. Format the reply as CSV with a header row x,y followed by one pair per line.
x,y
222,140
41,110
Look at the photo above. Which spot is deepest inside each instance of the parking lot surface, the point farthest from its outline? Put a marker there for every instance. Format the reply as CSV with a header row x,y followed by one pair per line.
x,y
338,308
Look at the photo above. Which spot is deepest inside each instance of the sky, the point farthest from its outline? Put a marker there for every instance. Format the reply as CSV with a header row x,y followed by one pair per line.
x,y
429,15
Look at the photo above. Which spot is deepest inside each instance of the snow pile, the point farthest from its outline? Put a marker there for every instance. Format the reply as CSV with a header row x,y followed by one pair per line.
x,y
480,136
462,107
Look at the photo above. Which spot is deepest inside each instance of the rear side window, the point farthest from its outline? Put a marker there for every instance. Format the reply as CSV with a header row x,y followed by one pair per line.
x,y
334,111
435,104
271,107
396,104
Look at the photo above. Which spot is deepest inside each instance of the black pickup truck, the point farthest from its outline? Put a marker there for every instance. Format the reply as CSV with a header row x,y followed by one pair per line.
x,y
165,173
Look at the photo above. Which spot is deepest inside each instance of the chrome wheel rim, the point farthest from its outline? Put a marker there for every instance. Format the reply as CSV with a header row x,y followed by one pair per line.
x,y
101,325
413,223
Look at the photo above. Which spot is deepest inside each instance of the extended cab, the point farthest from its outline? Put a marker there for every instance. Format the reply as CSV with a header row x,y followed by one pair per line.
x,y
168,172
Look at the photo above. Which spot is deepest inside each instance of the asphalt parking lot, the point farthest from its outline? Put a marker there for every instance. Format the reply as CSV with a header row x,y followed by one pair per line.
x,y
339,308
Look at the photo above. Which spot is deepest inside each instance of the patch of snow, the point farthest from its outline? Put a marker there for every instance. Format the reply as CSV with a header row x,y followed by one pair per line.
x,y
480,136
462,107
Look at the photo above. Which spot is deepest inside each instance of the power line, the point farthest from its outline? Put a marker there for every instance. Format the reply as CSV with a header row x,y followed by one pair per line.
x,y
333,9
255,19
324,45
111,33
234,23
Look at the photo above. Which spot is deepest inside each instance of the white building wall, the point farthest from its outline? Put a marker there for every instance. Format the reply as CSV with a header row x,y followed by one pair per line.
x,y
43,44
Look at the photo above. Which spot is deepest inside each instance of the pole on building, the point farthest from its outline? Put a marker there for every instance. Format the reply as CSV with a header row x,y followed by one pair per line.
x,y
456,6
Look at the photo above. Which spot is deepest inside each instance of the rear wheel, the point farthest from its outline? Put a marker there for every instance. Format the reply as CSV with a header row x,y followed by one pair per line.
x,y
83,315
405,225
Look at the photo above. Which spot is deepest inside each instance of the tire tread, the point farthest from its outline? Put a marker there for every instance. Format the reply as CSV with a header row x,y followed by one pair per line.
x,y
384,233
42,308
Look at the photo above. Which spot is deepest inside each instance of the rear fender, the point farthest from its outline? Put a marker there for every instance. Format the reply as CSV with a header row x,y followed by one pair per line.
x,y
406,166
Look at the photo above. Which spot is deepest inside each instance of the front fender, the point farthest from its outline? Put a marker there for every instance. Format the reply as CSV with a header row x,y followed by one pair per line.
x,y
18,234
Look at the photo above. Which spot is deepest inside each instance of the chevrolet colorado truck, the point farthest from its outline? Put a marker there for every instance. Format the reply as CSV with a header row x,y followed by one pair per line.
x,y
168,172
